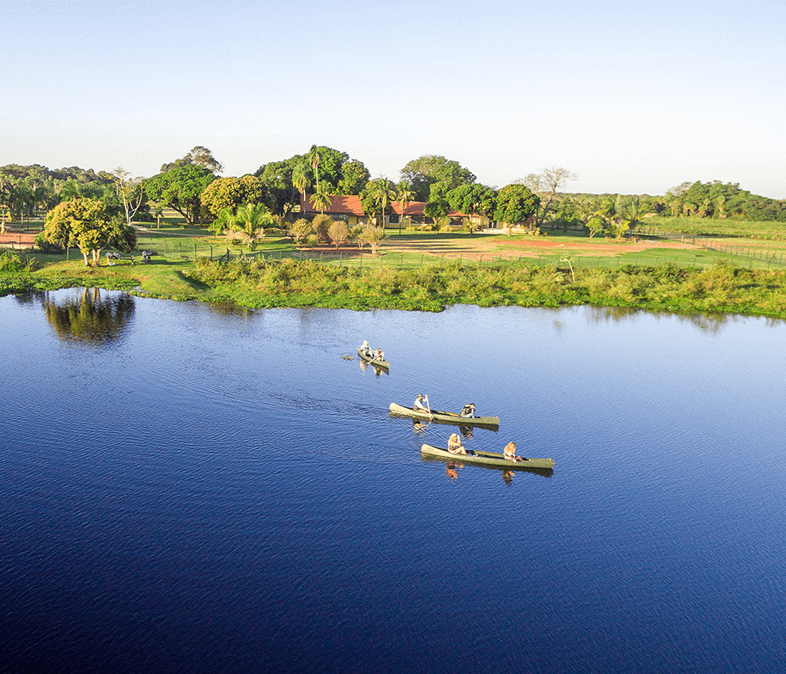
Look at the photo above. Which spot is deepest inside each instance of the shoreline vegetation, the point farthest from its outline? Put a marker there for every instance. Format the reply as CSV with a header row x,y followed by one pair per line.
x,y
262,282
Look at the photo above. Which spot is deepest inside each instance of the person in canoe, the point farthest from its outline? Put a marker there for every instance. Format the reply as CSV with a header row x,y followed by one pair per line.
x,y
378,355
468,411
454,445
510,452
365,349
420,404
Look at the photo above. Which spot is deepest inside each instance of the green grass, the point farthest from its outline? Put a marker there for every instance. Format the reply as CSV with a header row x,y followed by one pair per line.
x,y
737,276
766,230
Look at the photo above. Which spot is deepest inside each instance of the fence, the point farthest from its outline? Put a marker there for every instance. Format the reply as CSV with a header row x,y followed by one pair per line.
x,y
762,255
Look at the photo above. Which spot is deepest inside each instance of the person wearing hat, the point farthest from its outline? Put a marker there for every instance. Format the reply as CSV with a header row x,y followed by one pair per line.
x,y
419,405
364,348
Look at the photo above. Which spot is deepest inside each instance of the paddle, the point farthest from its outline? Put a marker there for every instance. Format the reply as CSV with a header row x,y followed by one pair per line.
x,y
428,407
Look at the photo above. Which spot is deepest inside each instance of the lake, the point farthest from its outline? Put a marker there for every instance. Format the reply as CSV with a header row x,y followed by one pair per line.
x,y
187,488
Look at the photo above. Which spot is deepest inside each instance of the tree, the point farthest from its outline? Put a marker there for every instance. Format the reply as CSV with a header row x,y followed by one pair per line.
x,y
198,156
225,219
321,198
180,188
338,233
6,197
130,192
300,229
373,236
354,177
515,204
545,185
232,192
87,224
277,179
596,225
301,181
313,159
158,213
436,210
251,220
378,197
424,171
474,200
405,194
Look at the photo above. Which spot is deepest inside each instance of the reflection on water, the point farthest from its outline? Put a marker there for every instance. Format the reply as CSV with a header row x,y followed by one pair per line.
x,y
91,317
377,370
706,323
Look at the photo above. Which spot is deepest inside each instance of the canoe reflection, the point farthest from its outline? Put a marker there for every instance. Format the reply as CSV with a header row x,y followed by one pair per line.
x,y
377,370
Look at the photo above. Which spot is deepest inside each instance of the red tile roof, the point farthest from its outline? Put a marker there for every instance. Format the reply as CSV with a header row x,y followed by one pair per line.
x,y
349,204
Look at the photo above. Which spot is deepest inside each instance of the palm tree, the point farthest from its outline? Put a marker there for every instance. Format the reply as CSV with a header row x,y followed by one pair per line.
x,y
23,198
251,219
6,199
69,191
300,181
313,159
405,195
321,198
382,193
226,220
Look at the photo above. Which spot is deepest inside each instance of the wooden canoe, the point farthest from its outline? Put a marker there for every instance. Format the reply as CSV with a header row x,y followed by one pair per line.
x,y
448,417
486,459
376,363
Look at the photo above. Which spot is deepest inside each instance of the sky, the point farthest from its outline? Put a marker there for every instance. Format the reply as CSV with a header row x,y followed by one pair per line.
x,y
633,98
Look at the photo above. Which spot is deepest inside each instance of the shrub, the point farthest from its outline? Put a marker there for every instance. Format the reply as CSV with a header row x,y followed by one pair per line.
x,y
338,233
321,226
14,262
46,246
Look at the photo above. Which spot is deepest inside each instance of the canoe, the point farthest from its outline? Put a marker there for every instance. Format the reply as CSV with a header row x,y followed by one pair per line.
x,y
449,417
486,459
376,363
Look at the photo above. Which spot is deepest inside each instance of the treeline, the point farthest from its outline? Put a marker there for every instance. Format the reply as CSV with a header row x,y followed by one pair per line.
x,y
191,186
691,200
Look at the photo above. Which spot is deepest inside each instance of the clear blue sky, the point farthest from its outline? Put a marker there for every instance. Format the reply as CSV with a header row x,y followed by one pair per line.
x,y
633,99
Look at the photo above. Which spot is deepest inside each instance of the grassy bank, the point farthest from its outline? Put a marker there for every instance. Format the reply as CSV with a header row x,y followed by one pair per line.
x,y
720,289
693,280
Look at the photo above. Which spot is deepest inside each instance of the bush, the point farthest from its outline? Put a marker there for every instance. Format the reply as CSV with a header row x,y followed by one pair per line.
x,y
14,262
321,226
46,246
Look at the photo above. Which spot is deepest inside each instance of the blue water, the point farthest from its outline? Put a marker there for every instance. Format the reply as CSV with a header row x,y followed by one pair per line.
x,y
192,489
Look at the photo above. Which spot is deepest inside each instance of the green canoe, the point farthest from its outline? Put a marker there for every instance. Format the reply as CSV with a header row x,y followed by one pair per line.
x,y
487,459
376,363
448,417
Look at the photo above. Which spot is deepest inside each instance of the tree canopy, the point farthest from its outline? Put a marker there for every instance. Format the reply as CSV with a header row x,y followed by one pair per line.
x,y
424,171
288,179
181,188
197,156
515,204
231,192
